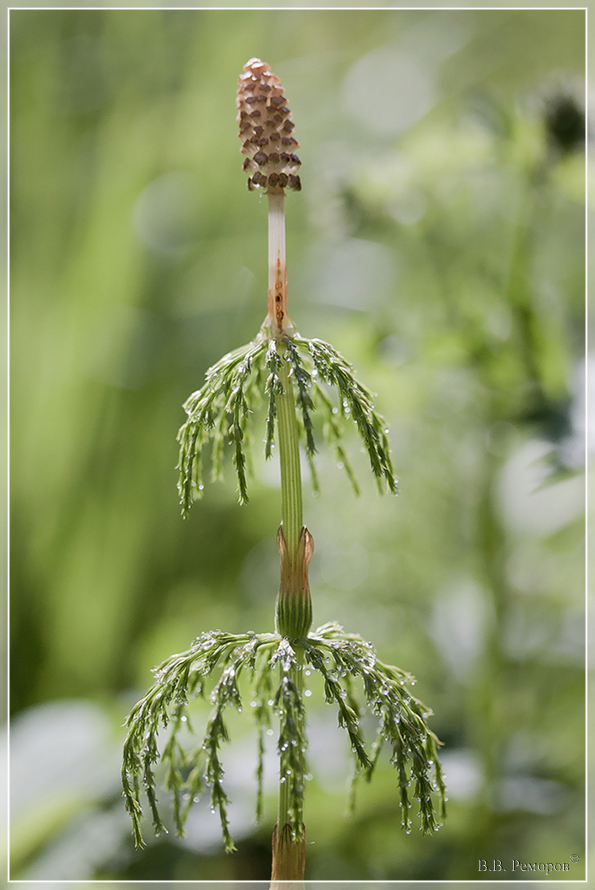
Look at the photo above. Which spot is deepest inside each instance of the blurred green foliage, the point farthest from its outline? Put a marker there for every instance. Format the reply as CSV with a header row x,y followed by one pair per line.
x,y
439,244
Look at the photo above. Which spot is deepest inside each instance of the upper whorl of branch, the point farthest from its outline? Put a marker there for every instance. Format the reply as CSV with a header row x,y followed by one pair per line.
x,y
266,130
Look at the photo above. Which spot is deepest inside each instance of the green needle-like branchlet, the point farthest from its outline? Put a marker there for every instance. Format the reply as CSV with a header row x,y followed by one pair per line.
x,y
402,718
218,412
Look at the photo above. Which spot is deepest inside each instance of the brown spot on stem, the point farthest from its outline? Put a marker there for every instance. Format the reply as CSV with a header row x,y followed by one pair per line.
x,y
280,292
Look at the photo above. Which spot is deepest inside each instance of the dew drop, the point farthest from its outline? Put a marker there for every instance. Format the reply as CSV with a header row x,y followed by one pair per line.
x,y
270,732
184,718
308,693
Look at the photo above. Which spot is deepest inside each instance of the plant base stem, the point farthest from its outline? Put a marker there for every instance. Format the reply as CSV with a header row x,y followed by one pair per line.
x,y
289,855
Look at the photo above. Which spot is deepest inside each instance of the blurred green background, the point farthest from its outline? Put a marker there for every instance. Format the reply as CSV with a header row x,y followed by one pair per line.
x,y
439,243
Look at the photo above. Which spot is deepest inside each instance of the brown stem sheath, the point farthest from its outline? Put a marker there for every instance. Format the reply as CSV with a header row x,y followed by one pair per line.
x,y
293,617
289,856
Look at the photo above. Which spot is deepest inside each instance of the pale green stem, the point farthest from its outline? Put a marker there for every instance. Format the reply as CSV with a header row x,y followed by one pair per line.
x,y
280,325
288,438
289,457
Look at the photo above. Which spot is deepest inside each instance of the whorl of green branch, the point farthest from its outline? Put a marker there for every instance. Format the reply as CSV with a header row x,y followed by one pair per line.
x,y
340,658
218,412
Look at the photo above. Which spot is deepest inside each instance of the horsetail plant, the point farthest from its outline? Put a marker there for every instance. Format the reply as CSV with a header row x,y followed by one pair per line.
x,y
296,377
